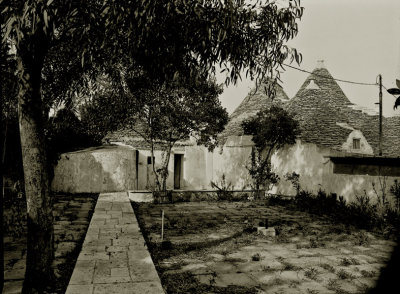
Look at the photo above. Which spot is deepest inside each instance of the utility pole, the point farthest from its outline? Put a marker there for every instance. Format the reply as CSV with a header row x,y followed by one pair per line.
x,y
380,115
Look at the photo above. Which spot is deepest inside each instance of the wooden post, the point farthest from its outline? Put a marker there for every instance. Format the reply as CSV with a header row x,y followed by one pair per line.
x,y
380,115
162,225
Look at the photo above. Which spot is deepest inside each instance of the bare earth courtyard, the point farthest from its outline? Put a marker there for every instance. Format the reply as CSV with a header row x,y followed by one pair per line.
x,y
212,248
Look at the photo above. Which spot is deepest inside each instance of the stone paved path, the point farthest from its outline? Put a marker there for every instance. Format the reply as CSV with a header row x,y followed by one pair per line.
x,y
114,256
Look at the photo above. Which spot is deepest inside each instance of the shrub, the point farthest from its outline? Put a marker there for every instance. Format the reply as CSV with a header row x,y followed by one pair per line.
x,y
311,273
294,178
224,189
395,191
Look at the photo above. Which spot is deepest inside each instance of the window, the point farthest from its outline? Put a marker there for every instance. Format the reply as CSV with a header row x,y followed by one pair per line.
x,y
356,143
149,159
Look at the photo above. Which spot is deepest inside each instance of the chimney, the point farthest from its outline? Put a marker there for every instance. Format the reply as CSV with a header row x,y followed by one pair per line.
x,y
320,64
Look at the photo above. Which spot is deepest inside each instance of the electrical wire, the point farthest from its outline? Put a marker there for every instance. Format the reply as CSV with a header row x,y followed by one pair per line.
x,y
388,92
330,78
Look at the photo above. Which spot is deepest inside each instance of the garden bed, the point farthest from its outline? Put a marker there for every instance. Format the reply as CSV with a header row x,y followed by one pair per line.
x,y
72,214
211,247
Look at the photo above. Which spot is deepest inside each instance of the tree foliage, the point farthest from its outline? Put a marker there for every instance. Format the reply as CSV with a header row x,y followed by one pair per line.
x,y
271,129
62,46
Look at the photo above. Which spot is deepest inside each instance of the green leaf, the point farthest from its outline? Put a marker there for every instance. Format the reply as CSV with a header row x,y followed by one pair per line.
x,y
394,91
49,2
9,25
45,17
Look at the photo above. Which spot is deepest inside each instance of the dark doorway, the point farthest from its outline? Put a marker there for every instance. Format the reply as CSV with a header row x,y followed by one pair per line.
x,y
177,170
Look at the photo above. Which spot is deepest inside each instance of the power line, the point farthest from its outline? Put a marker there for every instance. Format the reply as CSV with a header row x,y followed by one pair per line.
x,y
388,92
330,78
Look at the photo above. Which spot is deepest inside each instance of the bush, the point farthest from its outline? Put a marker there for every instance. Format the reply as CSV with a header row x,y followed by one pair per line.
x,y
361,213
224,189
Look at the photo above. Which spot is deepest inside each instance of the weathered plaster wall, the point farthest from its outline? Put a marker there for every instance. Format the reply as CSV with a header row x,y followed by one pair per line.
x,y
194,168
232,162
104,169
316,171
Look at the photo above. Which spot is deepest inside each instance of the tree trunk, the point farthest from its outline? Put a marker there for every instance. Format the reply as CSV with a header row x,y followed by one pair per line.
x,y
153,162
165,168
2,148
40,251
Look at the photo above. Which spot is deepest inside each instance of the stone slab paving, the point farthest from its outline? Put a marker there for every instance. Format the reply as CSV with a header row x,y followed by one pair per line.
x,y
71,218
114,257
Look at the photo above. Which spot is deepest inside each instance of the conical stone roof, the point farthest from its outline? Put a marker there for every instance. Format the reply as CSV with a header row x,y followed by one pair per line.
x,y
321,107
255,101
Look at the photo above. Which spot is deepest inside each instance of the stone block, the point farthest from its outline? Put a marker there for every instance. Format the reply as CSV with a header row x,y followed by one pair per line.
x,y
270,232
79,289
129,288
82,276
120,272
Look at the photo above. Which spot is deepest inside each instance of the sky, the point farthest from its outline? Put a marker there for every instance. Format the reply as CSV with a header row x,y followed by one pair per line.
x,y
357,39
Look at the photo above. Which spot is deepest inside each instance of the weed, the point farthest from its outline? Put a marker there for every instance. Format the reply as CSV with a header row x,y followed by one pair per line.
x,y
368,274
361,239
290,267
343,275
212,278
345,262
224,189
311,273
294,284
267,268
315,243
327,267
277,282
333,285
349,261
256,257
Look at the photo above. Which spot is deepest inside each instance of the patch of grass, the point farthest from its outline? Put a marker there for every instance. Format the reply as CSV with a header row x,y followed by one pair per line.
x,y
349,261
333,285
287,266
311,273
361,239
344,275
256,257
368,274
267,268
315,243
183,283
312,291
328,267
294,284
276,282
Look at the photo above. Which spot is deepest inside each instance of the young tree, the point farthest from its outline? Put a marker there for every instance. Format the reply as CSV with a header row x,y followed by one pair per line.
x,y
158,36
271,129
162,115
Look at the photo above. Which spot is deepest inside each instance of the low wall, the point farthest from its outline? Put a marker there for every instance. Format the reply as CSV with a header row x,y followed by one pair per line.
x,y
96,170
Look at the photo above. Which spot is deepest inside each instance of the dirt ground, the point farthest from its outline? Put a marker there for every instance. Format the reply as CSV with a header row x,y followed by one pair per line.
x,y
212,247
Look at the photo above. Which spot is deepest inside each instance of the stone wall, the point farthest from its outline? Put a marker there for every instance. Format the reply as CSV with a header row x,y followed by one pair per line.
x,y
96,170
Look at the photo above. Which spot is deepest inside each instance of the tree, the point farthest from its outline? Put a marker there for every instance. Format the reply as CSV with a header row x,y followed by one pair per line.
x,y
162,115
8,93
271,129
158,36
